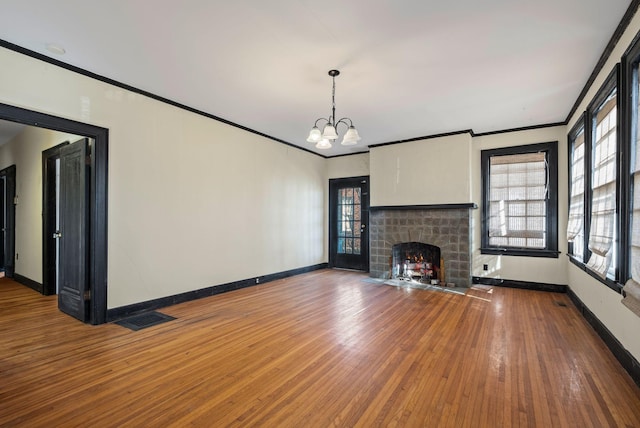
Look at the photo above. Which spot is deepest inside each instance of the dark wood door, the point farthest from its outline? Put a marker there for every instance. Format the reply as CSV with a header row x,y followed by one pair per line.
x,y
73,290
50,225
348,223
9,225
3,204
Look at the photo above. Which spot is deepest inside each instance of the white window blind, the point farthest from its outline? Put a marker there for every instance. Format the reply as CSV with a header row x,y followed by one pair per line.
x,y
603,203
575,228
517,200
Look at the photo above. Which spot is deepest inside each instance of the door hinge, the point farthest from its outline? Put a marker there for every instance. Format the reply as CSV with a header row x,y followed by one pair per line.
x,y
87,295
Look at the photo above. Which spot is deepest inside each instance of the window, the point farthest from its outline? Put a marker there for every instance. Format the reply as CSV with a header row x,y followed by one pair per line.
x,y
634,200
631,132
594,224
604,163
575,228
602,232
520,200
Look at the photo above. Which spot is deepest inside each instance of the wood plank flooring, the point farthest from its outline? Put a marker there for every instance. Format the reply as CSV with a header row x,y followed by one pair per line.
x,y
328,348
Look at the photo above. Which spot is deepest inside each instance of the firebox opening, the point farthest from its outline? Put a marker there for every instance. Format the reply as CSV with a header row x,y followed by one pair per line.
x,y
416,261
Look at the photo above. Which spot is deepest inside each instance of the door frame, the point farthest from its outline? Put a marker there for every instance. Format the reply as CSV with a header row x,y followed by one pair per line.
x,y
98,182
364,215
9,174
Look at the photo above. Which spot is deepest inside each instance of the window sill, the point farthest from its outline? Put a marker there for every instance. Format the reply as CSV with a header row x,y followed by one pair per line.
x,y
523,252
606,281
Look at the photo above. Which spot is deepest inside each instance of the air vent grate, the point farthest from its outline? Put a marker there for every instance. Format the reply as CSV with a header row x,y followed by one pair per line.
x,y
144,320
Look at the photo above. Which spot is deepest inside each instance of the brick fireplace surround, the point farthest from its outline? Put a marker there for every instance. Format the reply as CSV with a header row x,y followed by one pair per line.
x,y
446,226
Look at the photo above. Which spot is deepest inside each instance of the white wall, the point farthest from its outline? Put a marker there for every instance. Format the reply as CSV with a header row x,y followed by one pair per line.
x,y
25,151
533,269
348,166
447,170
192,202
602,301
423,172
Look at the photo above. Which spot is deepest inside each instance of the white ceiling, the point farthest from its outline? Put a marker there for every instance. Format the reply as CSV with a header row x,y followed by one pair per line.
x,y
408,68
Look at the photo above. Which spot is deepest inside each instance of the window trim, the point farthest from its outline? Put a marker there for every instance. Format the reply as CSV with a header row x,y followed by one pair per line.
x,y
551,249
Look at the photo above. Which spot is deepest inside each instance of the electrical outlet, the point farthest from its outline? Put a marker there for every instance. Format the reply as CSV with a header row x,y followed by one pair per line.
x,y
485,267
257,280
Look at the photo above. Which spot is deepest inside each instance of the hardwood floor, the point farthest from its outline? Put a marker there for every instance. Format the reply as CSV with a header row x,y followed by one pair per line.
x,y
328,348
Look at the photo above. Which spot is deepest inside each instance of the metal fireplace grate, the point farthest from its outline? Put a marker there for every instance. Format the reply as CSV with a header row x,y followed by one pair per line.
x,y
144,320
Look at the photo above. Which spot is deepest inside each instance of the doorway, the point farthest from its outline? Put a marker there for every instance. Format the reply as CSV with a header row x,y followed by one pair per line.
x,y
89,305
348,222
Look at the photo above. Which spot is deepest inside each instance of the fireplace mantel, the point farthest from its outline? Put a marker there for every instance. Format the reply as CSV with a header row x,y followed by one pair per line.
x,y
470,205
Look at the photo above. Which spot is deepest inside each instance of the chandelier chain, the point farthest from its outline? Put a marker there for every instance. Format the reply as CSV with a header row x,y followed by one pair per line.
x,y
333,101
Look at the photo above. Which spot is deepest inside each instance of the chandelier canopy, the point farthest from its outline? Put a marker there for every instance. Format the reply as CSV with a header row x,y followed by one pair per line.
x,y
329,131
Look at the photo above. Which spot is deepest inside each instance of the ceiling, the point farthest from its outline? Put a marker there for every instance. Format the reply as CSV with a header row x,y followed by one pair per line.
x,y
408,68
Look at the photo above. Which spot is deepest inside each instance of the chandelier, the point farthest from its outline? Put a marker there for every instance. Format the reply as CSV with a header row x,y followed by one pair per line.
x,y
329,131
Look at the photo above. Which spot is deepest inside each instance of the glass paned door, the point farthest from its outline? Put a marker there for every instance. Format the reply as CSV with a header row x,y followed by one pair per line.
x,y
349,209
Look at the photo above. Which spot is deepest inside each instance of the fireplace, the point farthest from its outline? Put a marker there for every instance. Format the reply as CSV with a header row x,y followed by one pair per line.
x,y
447,227
415,261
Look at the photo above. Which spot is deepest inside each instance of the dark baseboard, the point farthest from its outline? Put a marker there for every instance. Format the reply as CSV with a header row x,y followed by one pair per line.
x,y
526,285
125,311
628,362
28,282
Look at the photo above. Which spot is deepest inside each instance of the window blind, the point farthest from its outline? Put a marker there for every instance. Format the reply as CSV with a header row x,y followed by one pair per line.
x,y
517,200
603,204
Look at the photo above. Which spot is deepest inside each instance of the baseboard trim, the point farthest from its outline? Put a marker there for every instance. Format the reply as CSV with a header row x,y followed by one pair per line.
x,y
125,311
526,285
35,285
628,362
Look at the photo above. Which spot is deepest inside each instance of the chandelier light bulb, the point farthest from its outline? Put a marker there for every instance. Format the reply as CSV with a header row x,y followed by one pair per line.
x,y
329,132
315,135
351,137
323,144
